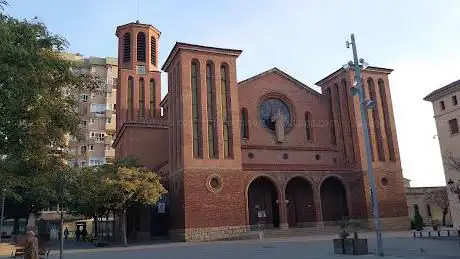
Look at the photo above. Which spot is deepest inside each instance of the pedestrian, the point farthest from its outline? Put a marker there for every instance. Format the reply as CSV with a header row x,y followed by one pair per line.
x,y
66,233
31,247
77,234
84,233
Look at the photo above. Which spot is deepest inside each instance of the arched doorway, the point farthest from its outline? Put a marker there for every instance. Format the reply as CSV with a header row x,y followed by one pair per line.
x,y
334,204
262,203
301,203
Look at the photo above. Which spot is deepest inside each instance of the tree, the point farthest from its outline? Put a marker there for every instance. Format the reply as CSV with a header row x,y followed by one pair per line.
x,y
37,107
131,185
440,198
418,220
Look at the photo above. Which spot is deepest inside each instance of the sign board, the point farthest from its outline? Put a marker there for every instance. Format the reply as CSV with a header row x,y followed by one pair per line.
x,y
161,207
140,70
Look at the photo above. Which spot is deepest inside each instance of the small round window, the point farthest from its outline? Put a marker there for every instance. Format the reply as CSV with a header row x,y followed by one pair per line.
x,y
214,183
384,181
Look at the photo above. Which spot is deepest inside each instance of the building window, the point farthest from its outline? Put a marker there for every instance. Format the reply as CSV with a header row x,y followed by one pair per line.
x,y
226,111
442,105
114,106
376,119
83,149
454,100
109,120
453,125
91,147
386,120
428,210
84,123
347,107
141,47
130,98
211,110
127,47
141,97
331,117
91,121
244,124
152,107
196,111
153,51
308,129
84,97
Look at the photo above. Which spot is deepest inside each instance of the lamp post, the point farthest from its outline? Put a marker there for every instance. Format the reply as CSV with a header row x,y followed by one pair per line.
x,y
358,89
3,212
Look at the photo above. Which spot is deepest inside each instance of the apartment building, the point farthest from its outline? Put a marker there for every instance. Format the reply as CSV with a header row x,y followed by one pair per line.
x,y
446,109
97,111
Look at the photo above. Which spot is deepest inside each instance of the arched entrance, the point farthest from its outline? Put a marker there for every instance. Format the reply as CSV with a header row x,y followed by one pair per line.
x,y
333,200
262,203
301,203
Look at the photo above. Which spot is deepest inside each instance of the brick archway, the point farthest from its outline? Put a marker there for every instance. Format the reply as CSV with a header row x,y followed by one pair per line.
x,y
262,203
301,211
334,203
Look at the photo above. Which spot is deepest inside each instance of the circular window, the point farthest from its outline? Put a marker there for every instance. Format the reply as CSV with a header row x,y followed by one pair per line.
x,y
285,156
251,155
273,111
384,181
214,183
318,157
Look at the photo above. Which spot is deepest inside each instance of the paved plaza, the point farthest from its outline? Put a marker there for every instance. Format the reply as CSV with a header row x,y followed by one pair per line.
x,y
396,246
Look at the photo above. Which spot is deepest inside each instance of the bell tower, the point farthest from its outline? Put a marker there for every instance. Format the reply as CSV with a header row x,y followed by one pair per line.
x,y
139,83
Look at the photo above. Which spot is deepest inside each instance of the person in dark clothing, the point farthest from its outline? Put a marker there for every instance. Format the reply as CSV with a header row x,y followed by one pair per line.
x,y
84,233
77,234
66,233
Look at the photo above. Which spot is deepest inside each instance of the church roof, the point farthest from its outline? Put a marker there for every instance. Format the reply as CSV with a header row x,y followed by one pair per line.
x,y
283,74
181,45
438,93
341,70
138,24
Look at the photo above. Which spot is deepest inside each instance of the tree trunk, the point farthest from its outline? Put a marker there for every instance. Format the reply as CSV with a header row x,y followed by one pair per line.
x,y
123,228
96,229
444,214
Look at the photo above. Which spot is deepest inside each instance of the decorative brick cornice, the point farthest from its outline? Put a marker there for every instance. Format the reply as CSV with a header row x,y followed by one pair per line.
x,y
293,148
293,167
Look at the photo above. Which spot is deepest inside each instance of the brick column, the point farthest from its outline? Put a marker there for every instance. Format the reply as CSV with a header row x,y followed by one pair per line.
x,y
282,209
318,210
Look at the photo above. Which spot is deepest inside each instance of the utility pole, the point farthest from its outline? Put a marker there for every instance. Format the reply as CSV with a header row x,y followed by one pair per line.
x,y
3,213
364,106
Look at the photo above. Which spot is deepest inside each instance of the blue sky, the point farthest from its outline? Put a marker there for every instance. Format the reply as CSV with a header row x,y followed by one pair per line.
x,y
419,39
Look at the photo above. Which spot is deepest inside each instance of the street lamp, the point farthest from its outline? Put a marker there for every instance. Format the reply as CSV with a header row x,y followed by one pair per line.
x,y
358,89
3,213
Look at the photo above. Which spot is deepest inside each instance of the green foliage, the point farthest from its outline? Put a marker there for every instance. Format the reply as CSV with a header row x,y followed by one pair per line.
x,y
38,110
418,221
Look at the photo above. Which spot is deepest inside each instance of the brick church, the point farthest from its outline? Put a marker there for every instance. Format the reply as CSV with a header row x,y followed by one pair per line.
x,y
268,149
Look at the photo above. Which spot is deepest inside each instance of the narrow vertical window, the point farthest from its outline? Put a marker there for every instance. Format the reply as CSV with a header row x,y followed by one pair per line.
x,y
308,128
331,117
152,107
141,47
153,51
211,109
442,105
130,98
347,107
196,111
244,124
386,120
376,119
141,98
127,47
226,111
339,117
367,96
454,100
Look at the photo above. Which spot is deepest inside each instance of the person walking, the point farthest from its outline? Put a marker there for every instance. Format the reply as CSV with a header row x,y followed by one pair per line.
x,y
84,234
66,233
77,234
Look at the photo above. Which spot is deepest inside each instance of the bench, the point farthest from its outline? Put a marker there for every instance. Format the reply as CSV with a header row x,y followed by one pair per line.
x,y
18,253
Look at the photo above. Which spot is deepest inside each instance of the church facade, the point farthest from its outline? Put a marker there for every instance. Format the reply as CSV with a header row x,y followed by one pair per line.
x,y
266,150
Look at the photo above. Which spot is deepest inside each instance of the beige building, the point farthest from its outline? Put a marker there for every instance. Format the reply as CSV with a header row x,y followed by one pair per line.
x,y
428,201
97,110
446,108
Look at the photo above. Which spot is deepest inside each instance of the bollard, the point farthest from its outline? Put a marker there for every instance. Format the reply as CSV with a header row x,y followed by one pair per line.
x,y
414,235
439,233
458,232
261,235
429,233
420,233
448,233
